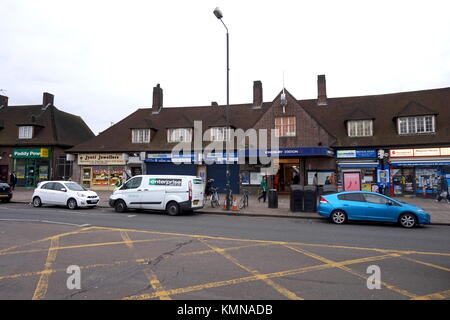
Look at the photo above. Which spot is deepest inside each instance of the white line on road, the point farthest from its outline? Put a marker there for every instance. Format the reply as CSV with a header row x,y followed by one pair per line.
x,y
48,221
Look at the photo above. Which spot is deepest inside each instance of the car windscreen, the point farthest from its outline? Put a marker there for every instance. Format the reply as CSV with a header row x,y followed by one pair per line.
x,y
75,187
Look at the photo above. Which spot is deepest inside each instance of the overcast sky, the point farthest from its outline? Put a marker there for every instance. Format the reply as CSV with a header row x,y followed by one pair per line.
x,y
101,59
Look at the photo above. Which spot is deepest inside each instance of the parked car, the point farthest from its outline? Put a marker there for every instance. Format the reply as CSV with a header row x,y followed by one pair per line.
x,y
170,193
64,193
5,192
369,206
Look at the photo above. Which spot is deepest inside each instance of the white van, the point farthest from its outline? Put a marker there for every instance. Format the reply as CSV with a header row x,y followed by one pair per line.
x,y
171,193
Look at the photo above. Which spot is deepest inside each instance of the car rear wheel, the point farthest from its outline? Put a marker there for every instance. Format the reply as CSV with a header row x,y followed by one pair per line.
x,y
37,202
338,217
173,208
120,206
408,220
72,204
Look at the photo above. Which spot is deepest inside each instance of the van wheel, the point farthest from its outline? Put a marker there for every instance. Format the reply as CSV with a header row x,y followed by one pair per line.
x,y
37,202
173,209
120,206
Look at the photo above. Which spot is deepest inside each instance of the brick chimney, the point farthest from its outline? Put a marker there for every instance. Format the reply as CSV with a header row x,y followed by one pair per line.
x,y
47,99
3,101
157,99
257,94
321,90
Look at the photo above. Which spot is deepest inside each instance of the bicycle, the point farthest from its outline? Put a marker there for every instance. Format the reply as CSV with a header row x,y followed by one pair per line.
x,y
243,202
215,202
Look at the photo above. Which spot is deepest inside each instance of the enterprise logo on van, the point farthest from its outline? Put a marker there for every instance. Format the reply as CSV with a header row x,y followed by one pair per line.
x,y
165,182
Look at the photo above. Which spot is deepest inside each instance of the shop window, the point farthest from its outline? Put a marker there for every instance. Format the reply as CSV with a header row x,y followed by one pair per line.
x,y
416,125
64,168
179,135
360,128
25,132
285,127
140,135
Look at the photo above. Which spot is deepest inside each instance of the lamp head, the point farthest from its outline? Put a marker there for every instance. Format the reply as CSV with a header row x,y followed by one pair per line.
x,y
218,13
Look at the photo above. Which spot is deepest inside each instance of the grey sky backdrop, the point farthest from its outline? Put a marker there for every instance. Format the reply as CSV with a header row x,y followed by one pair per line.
x,y
101,59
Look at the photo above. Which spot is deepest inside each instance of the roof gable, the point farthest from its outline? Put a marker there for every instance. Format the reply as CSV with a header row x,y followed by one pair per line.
x,y
359,114
414,108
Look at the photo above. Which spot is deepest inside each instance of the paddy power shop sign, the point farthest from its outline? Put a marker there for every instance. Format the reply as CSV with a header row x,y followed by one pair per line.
x,y
30,153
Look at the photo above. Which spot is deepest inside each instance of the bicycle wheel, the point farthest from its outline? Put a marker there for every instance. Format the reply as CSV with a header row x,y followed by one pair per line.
x,y
241,204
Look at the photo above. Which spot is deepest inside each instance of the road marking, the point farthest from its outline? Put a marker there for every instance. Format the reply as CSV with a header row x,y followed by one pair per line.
x,y
151,276
254,278
79,246
131,216
285,292
426,264
355,273
435,296
278,242
139,260
42,286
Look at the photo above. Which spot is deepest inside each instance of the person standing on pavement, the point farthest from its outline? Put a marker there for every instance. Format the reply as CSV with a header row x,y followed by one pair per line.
x,y
12,180
442,189
263,188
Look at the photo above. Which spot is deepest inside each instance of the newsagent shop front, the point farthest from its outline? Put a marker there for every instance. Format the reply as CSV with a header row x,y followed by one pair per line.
x,y
415,172
101,171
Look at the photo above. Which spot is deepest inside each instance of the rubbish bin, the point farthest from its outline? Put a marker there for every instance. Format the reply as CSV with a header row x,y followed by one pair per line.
x,y
310,198
296,201
273,198
329,188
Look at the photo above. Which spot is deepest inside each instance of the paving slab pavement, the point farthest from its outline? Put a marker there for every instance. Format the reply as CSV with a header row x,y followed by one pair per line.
x,y
439,211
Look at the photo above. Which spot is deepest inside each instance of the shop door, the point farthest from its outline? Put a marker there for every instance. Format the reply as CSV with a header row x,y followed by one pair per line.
x,y
30,171
4,174
352,181
87,177
218,173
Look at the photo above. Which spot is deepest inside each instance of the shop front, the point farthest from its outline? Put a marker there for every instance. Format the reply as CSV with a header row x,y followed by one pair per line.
x,y
209,166
359,170
291,166
31,166
415,172
101,171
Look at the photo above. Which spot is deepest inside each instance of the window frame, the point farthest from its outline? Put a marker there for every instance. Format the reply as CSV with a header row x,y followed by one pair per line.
x,y
140,135
26,132
416,125
214,133
286,131
171,132
359,128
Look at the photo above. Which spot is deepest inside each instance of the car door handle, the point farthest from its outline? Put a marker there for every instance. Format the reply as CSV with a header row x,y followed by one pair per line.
x,y
140,190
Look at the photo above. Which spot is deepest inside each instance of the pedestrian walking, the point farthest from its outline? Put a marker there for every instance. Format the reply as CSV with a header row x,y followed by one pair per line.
x,y
12,180
443,189
263,189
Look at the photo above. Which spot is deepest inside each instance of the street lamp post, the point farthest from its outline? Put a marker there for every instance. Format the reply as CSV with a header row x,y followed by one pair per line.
x,y
219,16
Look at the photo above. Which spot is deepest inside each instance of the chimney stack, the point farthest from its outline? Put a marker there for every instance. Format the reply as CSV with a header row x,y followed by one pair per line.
x,y
321,90
157,99
257,94
3,101
214,104
47,99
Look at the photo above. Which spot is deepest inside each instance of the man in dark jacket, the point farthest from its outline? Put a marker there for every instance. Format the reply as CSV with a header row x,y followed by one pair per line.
x,y
12,180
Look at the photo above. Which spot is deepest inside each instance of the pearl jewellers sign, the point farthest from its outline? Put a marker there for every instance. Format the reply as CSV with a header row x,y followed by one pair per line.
x,y
101,159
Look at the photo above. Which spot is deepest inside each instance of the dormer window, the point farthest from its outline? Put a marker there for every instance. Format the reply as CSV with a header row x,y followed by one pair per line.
x,y
140,135
179,135
416,125
219,134
25,132
360,128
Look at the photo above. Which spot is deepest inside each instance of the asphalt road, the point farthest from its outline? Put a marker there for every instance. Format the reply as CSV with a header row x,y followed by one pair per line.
x,y
146,255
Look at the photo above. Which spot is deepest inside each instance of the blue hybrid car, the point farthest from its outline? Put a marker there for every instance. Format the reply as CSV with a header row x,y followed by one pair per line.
x,y
369,206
